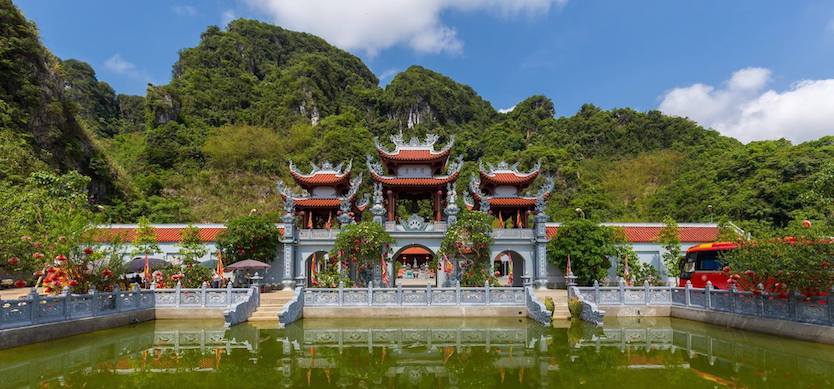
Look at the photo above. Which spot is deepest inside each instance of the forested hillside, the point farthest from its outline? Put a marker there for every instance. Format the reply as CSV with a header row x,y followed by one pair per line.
x,y
210,144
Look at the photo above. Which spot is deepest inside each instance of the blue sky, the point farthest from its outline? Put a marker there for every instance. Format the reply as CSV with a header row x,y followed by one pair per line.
x,y
752,69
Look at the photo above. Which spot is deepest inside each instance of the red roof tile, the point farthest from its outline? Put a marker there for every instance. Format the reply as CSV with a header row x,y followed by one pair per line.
x,y
321,179
411,182
508,178
646,234
416,250
512,201
419,155
163,234
317,203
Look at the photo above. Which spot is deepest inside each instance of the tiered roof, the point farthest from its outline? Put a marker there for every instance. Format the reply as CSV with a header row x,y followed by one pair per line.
x,y
506,174
482,187
414,151
324,175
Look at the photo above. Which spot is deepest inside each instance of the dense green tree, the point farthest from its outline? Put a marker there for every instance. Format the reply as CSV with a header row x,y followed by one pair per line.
x,y
589,245
249,237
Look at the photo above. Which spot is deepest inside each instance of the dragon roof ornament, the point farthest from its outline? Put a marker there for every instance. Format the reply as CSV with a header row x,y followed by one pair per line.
x,y
325,167
414,143
504,167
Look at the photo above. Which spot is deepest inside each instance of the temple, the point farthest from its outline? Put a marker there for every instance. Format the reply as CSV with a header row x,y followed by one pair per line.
x,y
414,171
498,190
327,195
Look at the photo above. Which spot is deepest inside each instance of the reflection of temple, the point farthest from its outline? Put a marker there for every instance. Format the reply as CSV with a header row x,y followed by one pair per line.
x,y
498,190
328,194
414,171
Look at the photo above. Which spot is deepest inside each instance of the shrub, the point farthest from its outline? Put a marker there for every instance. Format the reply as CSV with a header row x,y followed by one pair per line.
x,y
468,241
589,246
575,307
249,237
548,304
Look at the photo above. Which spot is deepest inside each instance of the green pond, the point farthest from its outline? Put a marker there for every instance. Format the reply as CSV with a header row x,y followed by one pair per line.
x,y
426,353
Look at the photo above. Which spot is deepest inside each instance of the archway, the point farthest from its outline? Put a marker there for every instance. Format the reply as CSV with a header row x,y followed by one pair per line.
x,y
317,259
508,266
415,265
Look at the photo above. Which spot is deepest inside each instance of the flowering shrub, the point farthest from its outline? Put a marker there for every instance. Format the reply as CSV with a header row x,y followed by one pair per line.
x,y
779,266
360,246
468,242
190,275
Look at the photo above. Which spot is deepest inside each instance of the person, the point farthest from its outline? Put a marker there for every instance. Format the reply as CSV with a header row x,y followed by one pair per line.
x,y
215,281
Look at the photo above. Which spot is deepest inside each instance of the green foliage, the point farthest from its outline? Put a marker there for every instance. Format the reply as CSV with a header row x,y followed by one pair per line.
x,y
638,272
589,246
467,242
575,308
669,237
244,148
779,265
361,242
548,304
249,237
145,242
190,275
191,246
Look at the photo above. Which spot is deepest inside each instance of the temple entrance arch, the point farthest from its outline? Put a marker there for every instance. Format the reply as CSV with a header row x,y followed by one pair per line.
x,y
314,264
414,265
508,266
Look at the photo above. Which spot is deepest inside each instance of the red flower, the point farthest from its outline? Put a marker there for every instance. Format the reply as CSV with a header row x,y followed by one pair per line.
x,y
61,257
51,269
13,261
106,273
48,290
19,283
88,250
37,274
72,283
37,245
749,273
806,223
37,255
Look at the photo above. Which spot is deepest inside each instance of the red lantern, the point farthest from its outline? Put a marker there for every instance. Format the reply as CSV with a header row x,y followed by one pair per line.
x,y
19,284
88,250
13,261
61,257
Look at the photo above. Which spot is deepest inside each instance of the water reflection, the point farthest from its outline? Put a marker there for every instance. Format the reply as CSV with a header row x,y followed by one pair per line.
x,y
420,353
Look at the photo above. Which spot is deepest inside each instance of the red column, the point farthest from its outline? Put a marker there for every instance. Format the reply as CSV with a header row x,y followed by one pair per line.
x,y
437,199
391,205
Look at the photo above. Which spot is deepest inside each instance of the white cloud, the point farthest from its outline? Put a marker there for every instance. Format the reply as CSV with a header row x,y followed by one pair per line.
x,y
117,64
374,25
121,66
743,108
387,74
506,110
184,10
227,16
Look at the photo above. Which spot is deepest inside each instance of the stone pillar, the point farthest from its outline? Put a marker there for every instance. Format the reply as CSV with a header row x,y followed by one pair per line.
x,y
540,238
288,241
437,199
378,210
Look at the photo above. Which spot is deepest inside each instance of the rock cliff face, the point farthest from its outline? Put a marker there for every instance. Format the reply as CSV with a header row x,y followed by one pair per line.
x,y
36,109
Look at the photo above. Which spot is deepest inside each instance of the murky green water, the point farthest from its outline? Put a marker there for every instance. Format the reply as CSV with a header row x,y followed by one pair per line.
x,y
459,353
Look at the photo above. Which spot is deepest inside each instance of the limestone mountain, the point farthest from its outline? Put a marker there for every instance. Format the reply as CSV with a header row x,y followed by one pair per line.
x,y
39,122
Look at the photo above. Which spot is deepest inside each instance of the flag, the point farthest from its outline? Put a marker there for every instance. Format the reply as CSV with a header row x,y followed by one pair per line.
x,y
329,221
147,272
310,221
510,270
500,219
315,282
447,266
220,268
384,268
518,219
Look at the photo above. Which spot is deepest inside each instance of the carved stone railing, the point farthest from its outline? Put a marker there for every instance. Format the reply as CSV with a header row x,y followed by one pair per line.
x,y
293,309
34,309
536,309
416,297
242,306
814,310
203,297
590,310
512,233
318,233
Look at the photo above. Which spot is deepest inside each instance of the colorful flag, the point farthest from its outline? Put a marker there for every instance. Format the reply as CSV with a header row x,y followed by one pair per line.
x,y
147,270
313,271
518,219
384,267
310,221
329,223
220,268
447,265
